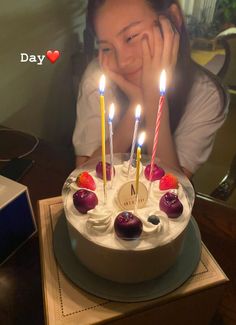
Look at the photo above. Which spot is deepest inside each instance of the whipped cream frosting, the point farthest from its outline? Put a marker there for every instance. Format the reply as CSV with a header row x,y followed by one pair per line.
x,y
132,170
99,220
97,224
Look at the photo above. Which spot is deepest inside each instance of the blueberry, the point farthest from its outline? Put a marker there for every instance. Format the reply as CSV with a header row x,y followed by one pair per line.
x,y
154,219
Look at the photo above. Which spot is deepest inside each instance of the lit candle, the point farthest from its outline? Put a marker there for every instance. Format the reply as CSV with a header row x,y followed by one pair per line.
x,y
158,119
137,120
102,108
110,119
138,159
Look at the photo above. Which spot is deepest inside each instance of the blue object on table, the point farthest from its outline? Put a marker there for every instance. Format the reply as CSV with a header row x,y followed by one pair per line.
x,y
17,222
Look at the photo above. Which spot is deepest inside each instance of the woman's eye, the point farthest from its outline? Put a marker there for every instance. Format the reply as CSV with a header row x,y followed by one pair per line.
x,y
105,50
131,37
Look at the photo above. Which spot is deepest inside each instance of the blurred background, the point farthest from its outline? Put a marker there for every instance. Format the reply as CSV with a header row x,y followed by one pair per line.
x,y
41,99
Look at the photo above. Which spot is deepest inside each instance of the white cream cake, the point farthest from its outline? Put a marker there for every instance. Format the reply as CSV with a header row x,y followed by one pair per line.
x,y
96,243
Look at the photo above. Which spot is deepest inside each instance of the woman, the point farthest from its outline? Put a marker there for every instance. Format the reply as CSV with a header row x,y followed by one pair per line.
x,y
136,40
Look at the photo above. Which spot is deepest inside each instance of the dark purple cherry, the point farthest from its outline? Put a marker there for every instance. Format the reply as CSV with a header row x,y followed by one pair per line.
x,y
128,226
108,170
171,205
84,200
157,172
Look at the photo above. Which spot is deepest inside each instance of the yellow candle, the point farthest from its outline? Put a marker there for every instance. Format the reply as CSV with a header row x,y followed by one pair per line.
x,y
103,136
139,151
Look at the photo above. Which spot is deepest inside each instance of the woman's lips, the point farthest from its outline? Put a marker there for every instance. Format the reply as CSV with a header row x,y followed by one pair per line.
x,y
134,76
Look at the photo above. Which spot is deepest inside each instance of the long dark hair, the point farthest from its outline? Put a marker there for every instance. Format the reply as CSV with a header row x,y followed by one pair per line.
x,y
185,69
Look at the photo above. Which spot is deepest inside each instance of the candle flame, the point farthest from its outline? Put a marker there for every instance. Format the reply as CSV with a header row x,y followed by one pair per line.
x,y
163,82
102,84
111,112
141,139
138,112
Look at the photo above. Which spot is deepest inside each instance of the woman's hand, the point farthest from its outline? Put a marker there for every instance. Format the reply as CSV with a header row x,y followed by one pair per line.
x,y
132,91
160,50
170,51
160,46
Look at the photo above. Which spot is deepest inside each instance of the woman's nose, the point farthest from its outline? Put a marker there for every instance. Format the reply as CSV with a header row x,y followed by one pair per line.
x,y
124,58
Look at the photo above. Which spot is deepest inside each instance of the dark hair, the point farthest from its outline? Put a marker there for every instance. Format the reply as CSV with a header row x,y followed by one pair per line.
x,y
185,68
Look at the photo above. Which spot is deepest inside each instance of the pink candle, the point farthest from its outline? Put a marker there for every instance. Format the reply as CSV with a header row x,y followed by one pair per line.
x,y
158,119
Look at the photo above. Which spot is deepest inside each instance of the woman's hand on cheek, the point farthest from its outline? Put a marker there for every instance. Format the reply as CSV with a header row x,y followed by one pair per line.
x,y
152,45
171,40
132,91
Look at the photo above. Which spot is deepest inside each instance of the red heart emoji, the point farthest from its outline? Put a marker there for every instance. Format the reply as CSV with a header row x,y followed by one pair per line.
x,y
53,56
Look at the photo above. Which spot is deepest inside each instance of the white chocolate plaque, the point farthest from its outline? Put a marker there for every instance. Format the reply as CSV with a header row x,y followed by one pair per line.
x,y
127,195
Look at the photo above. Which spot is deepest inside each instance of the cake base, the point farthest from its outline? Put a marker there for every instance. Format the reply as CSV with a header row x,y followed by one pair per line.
x,y
125,266
92,283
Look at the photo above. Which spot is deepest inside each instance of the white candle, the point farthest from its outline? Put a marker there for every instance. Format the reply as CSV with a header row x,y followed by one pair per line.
x,y
102,84
137,120
110,119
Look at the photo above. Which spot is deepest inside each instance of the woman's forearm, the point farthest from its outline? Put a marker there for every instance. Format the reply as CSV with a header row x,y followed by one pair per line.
x,y
123,133
80,160
166,150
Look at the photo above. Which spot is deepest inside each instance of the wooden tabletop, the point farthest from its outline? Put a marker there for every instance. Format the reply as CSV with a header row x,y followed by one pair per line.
x,y
21,299
217,223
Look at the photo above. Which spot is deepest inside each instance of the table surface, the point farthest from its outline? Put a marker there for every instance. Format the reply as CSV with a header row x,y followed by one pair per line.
x,y
66,303
21,300
203,57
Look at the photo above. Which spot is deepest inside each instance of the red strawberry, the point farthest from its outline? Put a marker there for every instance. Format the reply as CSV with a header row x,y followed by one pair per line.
x,y
85,180
168,181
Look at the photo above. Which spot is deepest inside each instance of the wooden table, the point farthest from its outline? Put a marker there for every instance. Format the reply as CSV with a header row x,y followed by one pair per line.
x,y
217,223
20,277
21,299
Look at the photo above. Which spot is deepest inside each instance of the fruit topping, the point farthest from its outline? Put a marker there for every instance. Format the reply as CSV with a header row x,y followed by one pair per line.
x,y
171,205
168,181
84,200
157,172
154,219
99,170
85,180
128,226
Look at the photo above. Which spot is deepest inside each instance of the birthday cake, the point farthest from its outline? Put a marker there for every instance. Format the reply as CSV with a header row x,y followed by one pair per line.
x,y
122,236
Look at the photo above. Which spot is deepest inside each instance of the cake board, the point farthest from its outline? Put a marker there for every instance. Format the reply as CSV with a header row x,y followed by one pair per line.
x,y
66,303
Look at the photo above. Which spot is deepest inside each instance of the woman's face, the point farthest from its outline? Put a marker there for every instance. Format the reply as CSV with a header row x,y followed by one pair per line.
x,y
120,25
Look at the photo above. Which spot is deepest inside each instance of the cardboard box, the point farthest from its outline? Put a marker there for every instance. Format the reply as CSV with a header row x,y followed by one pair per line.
x,y
17,222
193,303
